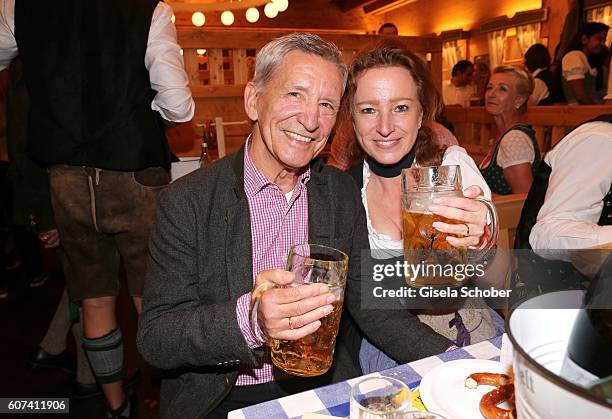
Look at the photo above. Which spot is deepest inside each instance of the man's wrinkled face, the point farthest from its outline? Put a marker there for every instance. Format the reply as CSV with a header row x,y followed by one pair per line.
x,y
295,111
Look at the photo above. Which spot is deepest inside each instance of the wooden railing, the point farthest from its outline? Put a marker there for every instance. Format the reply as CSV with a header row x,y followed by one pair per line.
x,y
217,77
509,209
474,128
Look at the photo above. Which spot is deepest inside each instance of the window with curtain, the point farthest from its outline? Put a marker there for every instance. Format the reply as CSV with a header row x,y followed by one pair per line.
x,y
527,35
451,54
601,14
496,40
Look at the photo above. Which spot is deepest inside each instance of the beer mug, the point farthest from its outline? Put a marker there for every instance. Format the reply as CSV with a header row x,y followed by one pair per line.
x,y
312,355
439,263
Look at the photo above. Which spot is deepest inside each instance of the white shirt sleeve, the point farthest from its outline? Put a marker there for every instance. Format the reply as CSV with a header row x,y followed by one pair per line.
x,y
470,174
515,148
446,92
167,74
581,177
575,65
8,44
608,95
540,91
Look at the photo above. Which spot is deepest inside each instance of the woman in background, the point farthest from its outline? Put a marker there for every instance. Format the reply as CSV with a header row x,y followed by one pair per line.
x,y
514,156
546,90
579,78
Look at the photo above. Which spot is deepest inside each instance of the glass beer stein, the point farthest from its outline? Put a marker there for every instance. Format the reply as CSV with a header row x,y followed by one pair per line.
x,y
439,263
313,354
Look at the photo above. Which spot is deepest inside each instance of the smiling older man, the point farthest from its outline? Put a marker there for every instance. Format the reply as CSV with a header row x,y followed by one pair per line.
x,y
225,229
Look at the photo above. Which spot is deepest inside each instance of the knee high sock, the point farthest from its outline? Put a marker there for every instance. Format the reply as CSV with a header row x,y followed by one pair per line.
x,y
84,375
106,356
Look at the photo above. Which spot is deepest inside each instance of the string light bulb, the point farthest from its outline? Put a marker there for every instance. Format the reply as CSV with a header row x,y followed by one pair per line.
x,y
201,51
252,15
227,17
281,5
173,18
198,19
270,10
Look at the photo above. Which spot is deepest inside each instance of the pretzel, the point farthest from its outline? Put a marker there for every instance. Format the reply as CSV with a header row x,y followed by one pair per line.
x,y
486,379
489,402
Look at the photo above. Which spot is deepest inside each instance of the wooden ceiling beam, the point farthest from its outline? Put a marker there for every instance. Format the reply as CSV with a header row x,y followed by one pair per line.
x,y
378,4
348,5
379,7
521,18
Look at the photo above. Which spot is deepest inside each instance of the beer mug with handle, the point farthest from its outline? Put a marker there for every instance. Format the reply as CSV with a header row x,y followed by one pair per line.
x,y
424,246
313,354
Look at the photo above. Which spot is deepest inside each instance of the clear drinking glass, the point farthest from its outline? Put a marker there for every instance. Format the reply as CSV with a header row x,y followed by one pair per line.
x,y
423,244
380,398
313,354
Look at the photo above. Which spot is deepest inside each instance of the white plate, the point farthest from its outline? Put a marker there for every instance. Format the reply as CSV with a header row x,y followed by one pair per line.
x,y
443,389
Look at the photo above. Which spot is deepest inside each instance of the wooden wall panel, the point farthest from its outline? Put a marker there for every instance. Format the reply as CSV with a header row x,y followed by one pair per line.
x,y
446,15
436,68
215,66
551,30
241,70
478,45
235,38
191,66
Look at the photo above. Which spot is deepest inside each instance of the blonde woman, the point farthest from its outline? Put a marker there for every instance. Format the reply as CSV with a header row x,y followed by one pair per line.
x,y
514,155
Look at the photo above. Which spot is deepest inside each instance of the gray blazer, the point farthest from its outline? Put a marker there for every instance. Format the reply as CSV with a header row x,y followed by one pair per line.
x,y
201,263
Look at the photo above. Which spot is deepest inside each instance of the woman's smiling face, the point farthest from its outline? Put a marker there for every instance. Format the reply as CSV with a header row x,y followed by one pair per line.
x,y
501,97
386,113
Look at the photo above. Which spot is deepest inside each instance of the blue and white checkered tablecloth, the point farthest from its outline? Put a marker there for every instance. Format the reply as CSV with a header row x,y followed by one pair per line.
x,y
334,399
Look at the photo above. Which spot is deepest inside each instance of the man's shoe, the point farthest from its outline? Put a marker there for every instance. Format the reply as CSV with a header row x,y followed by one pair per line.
x,y
82,391
42,359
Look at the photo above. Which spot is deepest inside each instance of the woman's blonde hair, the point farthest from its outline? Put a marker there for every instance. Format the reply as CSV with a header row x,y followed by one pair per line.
x,y
524,81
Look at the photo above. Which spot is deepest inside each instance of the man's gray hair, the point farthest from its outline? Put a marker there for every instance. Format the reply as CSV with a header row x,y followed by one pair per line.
x,y
272,54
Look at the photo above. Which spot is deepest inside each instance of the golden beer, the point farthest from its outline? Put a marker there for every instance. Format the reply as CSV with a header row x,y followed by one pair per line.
x,y
313,354
427,247
439,263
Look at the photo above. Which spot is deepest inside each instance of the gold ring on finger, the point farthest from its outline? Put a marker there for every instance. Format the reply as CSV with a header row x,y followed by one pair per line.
x,y
290,323
468,229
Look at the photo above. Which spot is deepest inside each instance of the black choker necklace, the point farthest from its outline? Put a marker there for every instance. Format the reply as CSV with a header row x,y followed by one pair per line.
x,y
391,170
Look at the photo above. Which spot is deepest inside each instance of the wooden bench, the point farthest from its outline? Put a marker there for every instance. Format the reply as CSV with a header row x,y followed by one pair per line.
x,y
509,209
474,127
